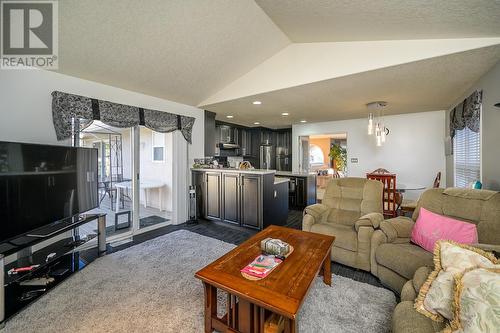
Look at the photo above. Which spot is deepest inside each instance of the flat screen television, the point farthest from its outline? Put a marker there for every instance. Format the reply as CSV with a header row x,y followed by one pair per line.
x,y
43,184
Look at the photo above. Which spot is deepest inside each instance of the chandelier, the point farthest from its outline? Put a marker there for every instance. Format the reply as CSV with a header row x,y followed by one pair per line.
x,y
376,125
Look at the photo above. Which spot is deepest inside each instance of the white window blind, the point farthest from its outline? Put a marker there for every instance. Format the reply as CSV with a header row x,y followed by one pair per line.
x,y
467,156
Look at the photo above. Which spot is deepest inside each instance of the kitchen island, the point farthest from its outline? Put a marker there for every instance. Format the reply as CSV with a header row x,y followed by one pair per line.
x,y
302,188
249,198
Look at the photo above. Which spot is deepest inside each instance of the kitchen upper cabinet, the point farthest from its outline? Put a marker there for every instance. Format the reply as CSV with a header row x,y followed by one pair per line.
x,y
284,139
225,134
251,200
213,195
230,197
266,136
246,143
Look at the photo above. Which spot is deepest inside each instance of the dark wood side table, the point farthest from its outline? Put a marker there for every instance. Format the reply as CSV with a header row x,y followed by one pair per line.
x,y
250,303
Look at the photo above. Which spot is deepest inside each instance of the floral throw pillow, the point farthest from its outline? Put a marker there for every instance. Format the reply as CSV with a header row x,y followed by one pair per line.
x,y
477,302
436,296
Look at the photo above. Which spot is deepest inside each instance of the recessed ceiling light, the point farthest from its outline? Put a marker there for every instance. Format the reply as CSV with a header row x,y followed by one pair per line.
x,y
285,114
303,121
229,116
256,102
256,123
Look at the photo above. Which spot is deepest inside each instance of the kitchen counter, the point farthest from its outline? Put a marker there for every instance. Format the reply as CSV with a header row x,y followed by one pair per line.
x,y
251,171
294,174
280,180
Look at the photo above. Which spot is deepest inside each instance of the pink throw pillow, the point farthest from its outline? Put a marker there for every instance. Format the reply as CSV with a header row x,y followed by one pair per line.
x,y
431,227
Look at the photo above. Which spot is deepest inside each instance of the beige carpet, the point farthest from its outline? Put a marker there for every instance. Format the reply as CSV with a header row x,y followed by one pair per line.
x,y
150,288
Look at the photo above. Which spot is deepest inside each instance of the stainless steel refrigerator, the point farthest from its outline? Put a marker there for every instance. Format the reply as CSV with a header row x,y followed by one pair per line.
x,y
283,159
266,157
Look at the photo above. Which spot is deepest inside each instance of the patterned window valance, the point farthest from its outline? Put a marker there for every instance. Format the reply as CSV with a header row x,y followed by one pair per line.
x,y
66,107
467,113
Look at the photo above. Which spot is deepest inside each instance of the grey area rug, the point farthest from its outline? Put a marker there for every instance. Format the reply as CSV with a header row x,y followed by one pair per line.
x,y
150,287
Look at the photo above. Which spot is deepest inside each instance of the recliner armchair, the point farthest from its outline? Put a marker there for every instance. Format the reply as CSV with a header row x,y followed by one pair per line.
x,y
394,259
351,210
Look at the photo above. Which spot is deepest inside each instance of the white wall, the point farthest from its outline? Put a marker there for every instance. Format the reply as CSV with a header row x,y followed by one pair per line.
x,y
490,130
26,115
414,149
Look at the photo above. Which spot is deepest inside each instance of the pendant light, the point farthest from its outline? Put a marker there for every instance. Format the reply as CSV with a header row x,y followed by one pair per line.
x,y
378,135
370,123
381,131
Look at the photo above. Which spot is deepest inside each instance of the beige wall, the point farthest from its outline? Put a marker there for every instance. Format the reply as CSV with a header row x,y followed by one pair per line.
x,y
490,130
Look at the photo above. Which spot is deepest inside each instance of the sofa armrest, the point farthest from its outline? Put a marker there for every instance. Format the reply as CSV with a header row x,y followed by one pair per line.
x,y
399,227
488,247
369,220
317,211
412,287
378,238
420,277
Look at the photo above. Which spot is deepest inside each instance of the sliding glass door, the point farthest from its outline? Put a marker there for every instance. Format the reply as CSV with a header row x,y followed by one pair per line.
x,y
135,177
115,152
155,179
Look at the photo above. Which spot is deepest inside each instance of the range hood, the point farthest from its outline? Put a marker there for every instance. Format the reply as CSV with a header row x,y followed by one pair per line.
x,y
228,146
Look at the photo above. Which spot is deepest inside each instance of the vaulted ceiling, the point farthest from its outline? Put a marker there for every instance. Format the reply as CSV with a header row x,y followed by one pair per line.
x,y
306,21
317,60
181,50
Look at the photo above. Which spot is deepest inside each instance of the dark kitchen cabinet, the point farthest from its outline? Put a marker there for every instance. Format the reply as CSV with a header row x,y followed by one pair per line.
x,y
198,180
302,189
250,201
213,195
267,136
244,198
225,133
210,134
284,140
230,197
301,192
246,143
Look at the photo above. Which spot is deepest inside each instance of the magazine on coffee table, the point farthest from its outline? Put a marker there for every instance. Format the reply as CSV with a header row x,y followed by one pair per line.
x,y
261,266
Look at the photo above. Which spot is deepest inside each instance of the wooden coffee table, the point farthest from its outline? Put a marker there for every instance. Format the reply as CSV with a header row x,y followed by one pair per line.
x,y
282,292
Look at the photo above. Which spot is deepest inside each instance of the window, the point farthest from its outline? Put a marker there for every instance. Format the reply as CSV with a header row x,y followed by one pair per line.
x,y
467,157
316,156
158,143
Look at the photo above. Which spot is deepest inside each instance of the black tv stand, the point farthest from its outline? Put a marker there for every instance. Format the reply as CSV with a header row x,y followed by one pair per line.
x,y
65,253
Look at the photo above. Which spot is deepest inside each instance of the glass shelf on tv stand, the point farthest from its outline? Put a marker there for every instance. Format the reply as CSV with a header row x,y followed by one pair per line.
x,y
62,248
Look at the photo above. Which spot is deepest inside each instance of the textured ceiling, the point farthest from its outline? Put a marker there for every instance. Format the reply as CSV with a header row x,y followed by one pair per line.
x,y
426,85
351,20
187,51
178,50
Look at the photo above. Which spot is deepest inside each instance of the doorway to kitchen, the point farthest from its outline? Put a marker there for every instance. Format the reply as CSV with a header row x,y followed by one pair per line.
x,y
325,155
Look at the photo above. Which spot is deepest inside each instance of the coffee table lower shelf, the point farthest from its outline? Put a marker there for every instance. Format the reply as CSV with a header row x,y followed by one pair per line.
x,y
241,315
